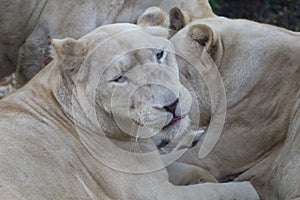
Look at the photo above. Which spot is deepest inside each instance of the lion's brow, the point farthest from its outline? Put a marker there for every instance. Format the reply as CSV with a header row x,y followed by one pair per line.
x,y
136,59
139,58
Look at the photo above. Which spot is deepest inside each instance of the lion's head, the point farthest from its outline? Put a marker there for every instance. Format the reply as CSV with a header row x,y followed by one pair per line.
x,y
124,78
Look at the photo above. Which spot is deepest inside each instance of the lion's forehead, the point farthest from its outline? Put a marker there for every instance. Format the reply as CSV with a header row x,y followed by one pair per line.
x,y
127,42
125,37
123,55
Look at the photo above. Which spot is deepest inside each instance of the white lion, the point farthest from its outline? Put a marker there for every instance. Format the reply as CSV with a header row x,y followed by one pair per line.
x,y
260,68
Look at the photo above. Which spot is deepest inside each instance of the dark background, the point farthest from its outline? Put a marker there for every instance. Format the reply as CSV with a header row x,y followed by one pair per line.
x,y
283,13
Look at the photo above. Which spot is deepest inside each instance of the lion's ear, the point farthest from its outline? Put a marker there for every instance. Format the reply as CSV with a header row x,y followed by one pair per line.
x,y
203,35
67,47
209,39
155,22
177,19
153,16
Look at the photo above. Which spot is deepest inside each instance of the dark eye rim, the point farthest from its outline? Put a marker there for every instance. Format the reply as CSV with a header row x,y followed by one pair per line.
x,y
160,54
119,78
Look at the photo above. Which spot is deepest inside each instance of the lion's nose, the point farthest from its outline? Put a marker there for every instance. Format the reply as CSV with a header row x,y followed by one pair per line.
x,y
172,107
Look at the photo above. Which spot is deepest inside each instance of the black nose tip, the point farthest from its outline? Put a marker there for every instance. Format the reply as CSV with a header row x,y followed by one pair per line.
x,y
172,107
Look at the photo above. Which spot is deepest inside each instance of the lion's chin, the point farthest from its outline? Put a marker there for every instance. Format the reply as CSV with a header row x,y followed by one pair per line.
x,y
176,128
174,121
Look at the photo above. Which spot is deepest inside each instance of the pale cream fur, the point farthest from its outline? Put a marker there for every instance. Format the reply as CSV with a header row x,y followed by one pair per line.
x,y
55,130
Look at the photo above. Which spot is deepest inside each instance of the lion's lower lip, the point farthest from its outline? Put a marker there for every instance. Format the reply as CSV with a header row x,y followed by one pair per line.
x,y
173,121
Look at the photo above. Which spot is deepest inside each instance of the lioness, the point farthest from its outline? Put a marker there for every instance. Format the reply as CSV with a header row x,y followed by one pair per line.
x,y
82,127
260,68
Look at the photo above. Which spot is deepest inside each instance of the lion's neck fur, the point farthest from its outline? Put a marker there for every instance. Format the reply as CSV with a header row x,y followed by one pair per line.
x,y
264,91
245,72
47,97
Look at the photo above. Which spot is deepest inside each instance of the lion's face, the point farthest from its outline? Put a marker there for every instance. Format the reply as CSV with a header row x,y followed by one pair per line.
x,y
132,77
141,86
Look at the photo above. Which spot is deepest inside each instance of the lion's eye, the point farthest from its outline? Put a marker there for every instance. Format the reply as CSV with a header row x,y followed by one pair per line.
x,y
119,79
160,56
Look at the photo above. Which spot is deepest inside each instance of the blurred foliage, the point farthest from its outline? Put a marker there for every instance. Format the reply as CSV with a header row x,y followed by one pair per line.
x,y
284,13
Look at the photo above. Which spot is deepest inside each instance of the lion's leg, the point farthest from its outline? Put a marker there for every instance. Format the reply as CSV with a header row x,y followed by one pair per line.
x,y
212,191
185,174
284,173
278,175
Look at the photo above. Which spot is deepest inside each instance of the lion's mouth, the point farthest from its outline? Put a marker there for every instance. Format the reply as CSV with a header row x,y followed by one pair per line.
x,y
173,121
